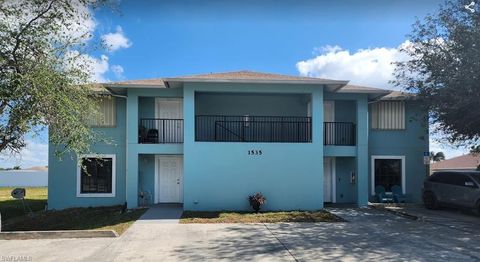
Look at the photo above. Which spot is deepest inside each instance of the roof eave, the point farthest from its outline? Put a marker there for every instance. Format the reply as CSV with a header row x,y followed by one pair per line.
x,y
374,95
123,85
259,81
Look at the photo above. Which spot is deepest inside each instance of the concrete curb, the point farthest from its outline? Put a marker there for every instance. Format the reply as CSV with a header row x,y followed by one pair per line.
x,y
23,235
397,212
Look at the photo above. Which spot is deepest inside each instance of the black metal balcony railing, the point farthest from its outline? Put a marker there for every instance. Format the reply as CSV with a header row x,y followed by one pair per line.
x,y
278,129
339,133
160,131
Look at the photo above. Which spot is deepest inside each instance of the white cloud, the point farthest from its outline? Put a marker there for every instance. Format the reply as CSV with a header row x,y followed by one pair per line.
x,y
447,149
100,67
34,154
117,40
117,71
96,67
370,67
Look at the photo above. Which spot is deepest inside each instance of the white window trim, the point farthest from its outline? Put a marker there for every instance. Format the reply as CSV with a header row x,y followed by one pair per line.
x,y
372,170
114,175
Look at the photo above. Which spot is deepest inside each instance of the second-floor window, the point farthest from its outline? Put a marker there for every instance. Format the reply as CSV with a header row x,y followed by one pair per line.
x,y
388,115
106,116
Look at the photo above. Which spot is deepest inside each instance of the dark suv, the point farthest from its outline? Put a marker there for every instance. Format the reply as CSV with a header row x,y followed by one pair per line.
x,y
452,188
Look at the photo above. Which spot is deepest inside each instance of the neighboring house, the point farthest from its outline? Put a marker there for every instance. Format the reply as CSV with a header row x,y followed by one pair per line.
x,y
468,162
208,141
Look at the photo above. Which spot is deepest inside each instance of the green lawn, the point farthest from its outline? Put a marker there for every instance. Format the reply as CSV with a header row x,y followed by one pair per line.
x,y
14,218
262,217
36,199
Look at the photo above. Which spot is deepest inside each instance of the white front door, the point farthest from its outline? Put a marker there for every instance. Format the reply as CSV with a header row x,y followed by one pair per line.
x,y
170,179
328,180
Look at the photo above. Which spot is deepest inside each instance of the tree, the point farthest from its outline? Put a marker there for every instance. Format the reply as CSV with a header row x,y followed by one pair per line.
x,y
443,70
43,73
437,157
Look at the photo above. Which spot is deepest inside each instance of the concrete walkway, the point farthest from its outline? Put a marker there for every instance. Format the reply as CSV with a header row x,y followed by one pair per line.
x,y
162,213
370,235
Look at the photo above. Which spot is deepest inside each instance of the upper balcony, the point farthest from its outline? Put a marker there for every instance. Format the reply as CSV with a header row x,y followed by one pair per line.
x,y
277,129
160,131
243,117
160,120
339,133
269,129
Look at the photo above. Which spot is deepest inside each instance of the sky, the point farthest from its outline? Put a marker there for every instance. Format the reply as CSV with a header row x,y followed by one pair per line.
x,y
346,40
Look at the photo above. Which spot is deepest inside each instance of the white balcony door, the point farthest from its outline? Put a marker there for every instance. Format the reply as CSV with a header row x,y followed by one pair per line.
x,y
169,108
169,179
329,116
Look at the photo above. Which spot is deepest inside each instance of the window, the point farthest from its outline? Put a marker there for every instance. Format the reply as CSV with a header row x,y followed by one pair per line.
x,y
443,178
388,171
453,178
96,176
106,116
464,181
476,177
388,115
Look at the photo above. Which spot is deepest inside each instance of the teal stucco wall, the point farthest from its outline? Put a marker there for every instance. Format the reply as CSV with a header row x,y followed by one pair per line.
x,y
146,177
346,191
220,176
410,142
62,173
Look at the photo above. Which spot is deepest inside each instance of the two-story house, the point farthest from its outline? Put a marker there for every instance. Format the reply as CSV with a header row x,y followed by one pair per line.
x,y
208,141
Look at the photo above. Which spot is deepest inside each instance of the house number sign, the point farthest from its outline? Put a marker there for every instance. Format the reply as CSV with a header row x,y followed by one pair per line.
x,y
255,152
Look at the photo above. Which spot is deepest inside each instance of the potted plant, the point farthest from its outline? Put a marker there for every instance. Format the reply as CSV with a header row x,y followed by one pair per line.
x,y
256,201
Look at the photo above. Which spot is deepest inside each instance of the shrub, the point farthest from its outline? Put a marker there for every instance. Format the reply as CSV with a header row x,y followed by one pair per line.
x,y
256,201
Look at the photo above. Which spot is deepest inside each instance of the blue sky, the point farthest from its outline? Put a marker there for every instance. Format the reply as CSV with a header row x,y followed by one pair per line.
x,y
184,37
352,40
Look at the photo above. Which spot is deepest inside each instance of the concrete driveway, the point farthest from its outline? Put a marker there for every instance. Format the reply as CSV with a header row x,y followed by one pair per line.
x,y
369,235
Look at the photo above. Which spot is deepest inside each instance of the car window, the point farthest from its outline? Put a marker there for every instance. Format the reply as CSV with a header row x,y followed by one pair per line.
x,y
437,177
453,178
443,177
476,177
463,180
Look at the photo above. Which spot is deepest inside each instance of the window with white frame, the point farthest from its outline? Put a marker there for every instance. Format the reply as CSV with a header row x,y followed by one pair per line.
x,y
96,175
387,115
387,171
106,115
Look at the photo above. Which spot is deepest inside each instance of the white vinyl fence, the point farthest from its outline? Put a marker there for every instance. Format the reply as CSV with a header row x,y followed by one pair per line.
x,y
23,178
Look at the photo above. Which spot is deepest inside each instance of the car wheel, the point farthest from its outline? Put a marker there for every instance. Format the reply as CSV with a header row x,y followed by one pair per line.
x,y
430,201
477,207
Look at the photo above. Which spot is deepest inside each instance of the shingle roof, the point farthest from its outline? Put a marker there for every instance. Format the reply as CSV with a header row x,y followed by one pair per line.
x,y
140,82
397,95
387,93
356,88
234,75
246,75
249,75
469,161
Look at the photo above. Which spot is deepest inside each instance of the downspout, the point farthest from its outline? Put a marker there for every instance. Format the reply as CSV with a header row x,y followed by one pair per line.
x,y
126,138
